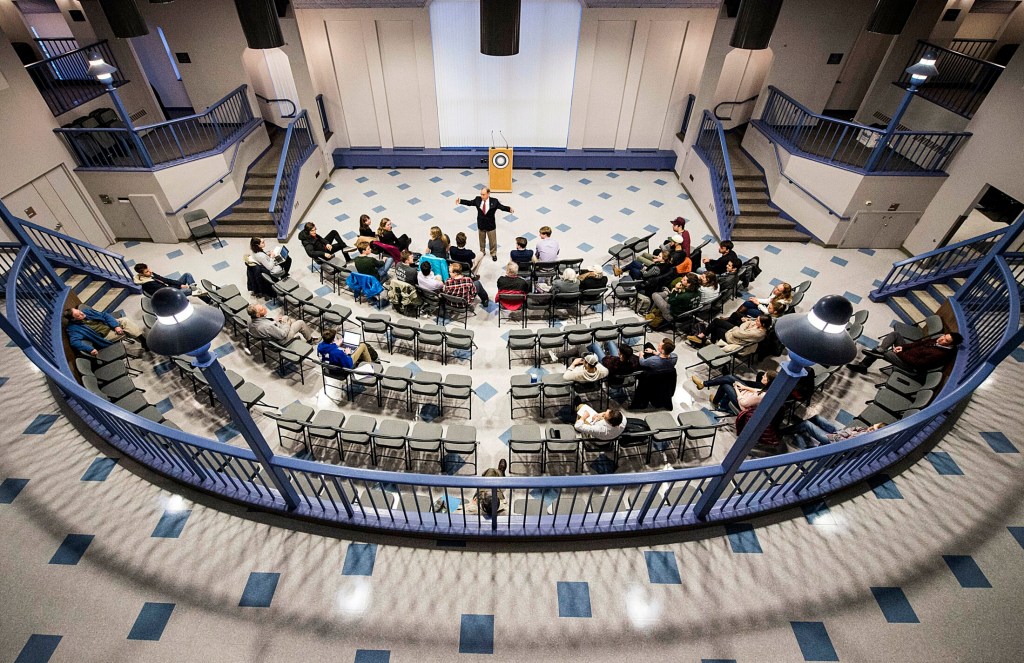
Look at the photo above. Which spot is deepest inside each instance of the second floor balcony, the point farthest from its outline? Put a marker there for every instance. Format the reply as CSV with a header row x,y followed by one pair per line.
x,y
63,79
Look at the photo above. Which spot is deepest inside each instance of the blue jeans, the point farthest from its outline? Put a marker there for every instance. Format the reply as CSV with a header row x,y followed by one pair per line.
x,y
814,431
186,279
726,393
612,349
635,269
383,271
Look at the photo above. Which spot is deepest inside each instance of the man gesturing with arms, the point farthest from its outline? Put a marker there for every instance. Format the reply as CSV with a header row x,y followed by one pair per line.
x,y
486,207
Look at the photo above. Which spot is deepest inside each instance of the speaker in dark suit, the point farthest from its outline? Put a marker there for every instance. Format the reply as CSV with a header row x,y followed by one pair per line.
x,y
486,225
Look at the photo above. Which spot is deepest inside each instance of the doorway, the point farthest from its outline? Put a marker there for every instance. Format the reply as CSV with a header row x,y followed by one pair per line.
x,y
992,210
54,202
859,68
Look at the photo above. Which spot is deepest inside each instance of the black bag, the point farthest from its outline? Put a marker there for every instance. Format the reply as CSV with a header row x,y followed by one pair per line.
x,y
635,425
373,352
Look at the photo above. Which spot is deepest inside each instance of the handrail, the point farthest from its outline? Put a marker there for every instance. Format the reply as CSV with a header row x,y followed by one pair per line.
x,y
940,264
962,83
280,101
89,258
80,49
778,160
219,180
645,502
733,103
195,116
713,150
298,146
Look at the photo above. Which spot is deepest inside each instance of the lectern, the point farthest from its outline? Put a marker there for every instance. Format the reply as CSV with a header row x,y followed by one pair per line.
x,y
499,166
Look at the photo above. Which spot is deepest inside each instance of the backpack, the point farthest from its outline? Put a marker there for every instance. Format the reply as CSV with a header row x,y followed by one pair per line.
x,y
635,425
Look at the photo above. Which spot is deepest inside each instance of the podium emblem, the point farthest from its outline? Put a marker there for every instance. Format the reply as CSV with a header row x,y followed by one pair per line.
x,y
499,160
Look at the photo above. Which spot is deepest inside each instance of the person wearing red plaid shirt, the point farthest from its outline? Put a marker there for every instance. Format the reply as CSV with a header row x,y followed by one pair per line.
x,y
458,285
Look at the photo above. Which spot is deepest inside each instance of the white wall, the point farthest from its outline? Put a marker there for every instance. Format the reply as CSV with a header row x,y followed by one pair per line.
x,y
149,49
743,74
991,156
49,25
696,179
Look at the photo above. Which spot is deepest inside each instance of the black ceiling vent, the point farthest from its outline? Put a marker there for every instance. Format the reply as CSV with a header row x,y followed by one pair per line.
x,y
259,23
499,27
124,18
755,23
890,16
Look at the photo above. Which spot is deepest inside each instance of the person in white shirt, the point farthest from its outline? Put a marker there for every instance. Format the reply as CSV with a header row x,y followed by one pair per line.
x,y
585,369
606,425
427,280
547,249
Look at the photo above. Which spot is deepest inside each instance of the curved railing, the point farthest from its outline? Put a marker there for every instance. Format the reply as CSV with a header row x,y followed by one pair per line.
x,y
299,144
987,309
714,152
291,103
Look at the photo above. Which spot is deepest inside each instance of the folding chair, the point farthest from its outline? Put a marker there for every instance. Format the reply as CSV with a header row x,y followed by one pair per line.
x,y
425,438
458,388
522,340
523,388
357,431
200,228
456,309
390,436
291,424
425,389
458,340
324,432
561,441
431,336
460,440
538,301
526,439
555,388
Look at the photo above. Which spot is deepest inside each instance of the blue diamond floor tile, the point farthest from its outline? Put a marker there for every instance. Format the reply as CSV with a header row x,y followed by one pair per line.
x,y
3,381
867,252
414,201
844,417
373,656
836,260
1018,354
224,350
556,187
362,180
656,204
626,211
1018,534
543,210
334,201
586,248
259,590
426,217
815,645
853,297
807,271
999,442
818,513
171,524
359,559
9,489
895,606
41,424
662,568
595,219
605,195
486,392
585,181
944,463
683,196
164,406
131,243
774,250
370,194
660,182
435,179
71,549
100,469
476,634
651,228
163,367
226,432
612,175
38,649
323,291
394,173
563,228
575,203
177,253
342,217
328,186
151,622
633,188
883,487
966,571
379,208
743,538
574,599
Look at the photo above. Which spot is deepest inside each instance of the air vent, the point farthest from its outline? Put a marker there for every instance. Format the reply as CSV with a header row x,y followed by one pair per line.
x,y
137,115
993,6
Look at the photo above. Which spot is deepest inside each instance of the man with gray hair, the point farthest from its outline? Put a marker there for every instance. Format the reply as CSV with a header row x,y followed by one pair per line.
x,y
486,226
282,330
511,281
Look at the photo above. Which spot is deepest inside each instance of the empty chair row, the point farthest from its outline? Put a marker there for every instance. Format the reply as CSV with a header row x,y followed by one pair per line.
x,y
533,345
548,307
113,383
398,384
429,339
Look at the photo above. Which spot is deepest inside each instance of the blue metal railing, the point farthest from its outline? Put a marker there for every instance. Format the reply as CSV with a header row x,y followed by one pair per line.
x,y
963,80
299,144
64,251
782,173
165,143
64,81
51,47
850,145
713,151
940,264
987,310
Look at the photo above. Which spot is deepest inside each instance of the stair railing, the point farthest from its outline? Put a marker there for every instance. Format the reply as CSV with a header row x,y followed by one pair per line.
x,y
713,151
733,104
941,264
962,83
291,103
298,146
64,81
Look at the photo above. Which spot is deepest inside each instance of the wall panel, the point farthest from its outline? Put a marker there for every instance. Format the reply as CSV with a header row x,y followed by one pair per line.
x,y
401,83
607,81
661,60
348,50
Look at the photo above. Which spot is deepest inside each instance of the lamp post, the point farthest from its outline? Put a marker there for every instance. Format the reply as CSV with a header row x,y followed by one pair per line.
x,y
919,75
818,336
182,328
104,72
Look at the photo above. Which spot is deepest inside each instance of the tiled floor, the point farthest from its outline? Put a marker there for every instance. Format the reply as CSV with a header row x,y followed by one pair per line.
x,y
103,562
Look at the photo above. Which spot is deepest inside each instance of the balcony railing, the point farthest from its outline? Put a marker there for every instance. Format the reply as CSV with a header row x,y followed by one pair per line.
x,y
850,145
64,81
973,48
166,143
713,151
51,47
962,83
298,145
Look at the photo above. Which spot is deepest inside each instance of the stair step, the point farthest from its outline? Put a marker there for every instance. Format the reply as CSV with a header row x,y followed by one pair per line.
x,y
904,309
766,222
118,297
944,289
758,209
747,234
250,206
235,218
73,279
248,230
104,301
90,290
747,178
925,303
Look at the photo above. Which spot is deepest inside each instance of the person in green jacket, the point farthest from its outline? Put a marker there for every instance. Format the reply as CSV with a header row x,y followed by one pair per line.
x,y
683,297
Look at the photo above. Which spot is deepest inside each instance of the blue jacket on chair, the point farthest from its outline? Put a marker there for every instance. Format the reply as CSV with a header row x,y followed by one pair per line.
x,y
363,285
438,266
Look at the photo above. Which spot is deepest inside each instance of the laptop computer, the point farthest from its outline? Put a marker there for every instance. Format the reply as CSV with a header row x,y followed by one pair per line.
x,y
284,253
351,340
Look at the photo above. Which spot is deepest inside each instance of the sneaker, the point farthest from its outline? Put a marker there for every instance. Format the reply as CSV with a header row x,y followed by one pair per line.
x,y
617,271
695,340
552,355
697,381
502,466
494,258
858,368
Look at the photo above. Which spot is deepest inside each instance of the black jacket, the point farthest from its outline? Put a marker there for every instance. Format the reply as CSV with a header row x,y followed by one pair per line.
x,y
315,247
485,222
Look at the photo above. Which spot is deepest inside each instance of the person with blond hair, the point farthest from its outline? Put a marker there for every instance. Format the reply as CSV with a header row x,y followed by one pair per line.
x,y
437,245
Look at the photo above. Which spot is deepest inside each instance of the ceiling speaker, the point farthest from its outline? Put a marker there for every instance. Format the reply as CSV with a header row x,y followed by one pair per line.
x,y
499,27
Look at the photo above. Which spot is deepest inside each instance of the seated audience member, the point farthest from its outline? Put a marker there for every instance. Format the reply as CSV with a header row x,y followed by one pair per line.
x,y
607,425
725,253
645,263
342,357
708,287
365,263
585,369
428,280
521,254
593,278
780,297
511,281
386,235
727,280
151,282
818,430
459,253
547,249
407,271
89,330
320,248
680,259
482,503
920,356
684,296
437,245
661,358
679,228
459,285
619,359
735,394
568,283
365,229
281,330
272,262
723,329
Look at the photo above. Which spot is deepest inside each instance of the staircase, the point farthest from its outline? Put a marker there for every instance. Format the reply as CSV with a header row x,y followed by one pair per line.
x,y
914,305
249,217
96,293
758,221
